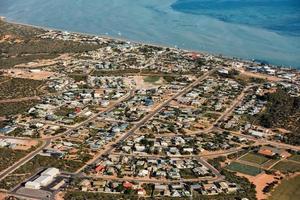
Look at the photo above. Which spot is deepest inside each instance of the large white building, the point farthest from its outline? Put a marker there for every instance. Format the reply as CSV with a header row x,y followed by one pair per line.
x,y
51,172
45,179
32,185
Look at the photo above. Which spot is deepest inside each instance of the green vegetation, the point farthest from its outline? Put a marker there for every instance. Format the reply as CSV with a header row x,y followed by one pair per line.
x,y
78,77
286,166
12,180
282,111
151,79
295,158
18,132
211,115
187,173
15,108
35,164
254,158
244,169
269,163
9,156
115,72
19,88
287,190
12,61
64,111
216,162
247,189
30,48
45,161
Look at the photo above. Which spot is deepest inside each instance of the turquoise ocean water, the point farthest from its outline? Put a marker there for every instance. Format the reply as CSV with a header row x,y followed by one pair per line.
x,y
267,30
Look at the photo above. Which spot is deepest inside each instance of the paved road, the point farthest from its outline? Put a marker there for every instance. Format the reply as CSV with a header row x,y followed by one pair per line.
x,y
93,117
24,160
211,154
262,140
149,180
108,150
47,141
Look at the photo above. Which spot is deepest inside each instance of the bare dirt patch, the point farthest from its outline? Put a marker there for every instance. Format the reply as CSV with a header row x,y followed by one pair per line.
x,y
43,62
28,74
10,38
2,196
260,181
22,144
261,76
141,83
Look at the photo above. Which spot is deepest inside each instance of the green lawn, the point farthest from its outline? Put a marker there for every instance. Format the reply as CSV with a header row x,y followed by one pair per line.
x,y
244,169
254,158
287,166
295,158
151,79
287,190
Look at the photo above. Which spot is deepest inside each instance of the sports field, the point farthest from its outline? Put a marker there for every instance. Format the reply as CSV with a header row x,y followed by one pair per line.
x,y
244,169
295,158
254,158
287,166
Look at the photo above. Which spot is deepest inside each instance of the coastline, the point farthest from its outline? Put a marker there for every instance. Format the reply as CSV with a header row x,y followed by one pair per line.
x,y
3,18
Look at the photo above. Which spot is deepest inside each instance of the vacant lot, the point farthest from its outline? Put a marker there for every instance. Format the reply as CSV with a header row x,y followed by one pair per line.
x,y
244,169
9,156
22,45
19,88
287,190
45,161
287,166
254,158
15,108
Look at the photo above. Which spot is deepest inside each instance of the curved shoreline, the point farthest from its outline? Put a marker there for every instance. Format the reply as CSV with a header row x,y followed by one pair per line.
x,y
116,38
144,43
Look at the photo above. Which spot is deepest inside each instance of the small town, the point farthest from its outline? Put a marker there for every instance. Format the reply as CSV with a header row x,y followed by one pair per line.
x,y
106,118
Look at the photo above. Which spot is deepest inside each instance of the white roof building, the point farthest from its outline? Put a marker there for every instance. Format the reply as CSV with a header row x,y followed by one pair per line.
x,y
256,133
43,180
32,185
51,172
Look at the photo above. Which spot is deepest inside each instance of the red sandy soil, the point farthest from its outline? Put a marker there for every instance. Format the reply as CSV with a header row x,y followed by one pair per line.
x,y
260,181
59,196
2,196
262,76
23,144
